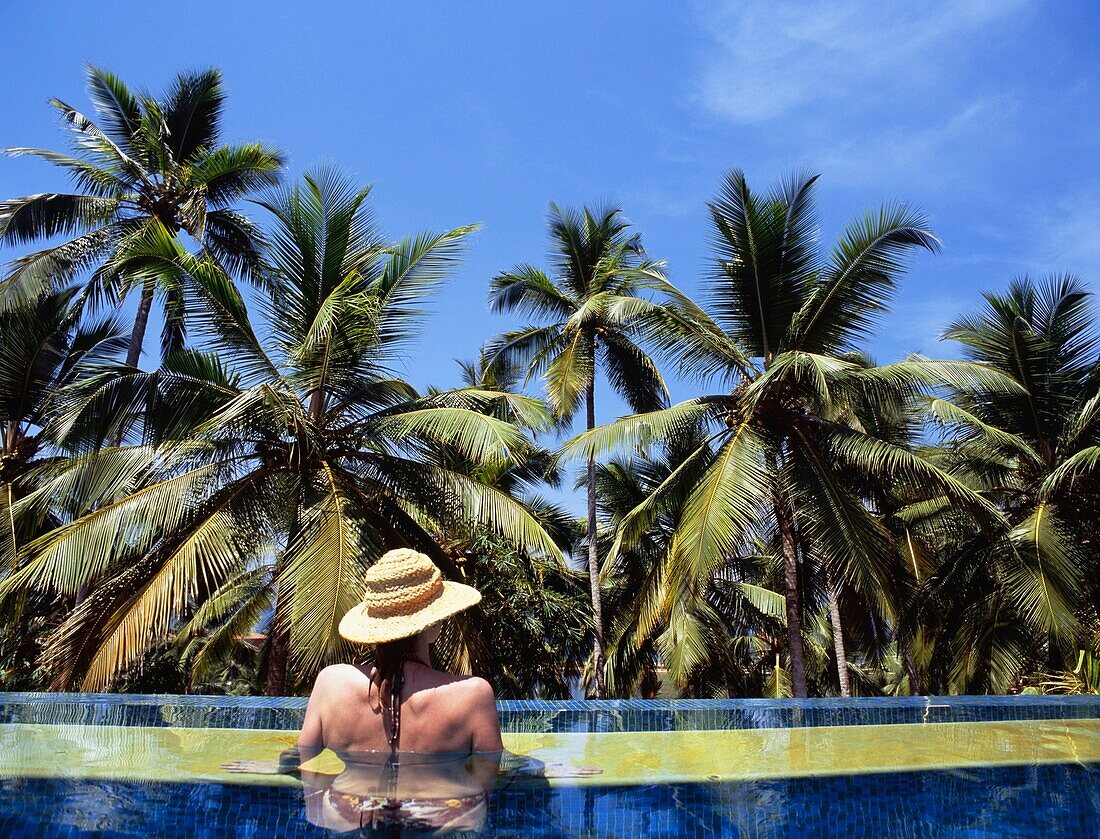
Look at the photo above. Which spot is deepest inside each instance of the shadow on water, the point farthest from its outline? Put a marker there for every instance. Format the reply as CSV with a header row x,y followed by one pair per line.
x,y
377,793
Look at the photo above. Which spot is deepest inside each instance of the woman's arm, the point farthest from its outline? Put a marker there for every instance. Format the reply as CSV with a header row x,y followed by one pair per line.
x,y
312,735
485,742
484,718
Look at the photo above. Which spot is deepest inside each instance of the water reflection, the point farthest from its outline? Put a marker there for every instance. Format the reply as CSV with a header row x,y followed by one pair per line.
x,y
380,792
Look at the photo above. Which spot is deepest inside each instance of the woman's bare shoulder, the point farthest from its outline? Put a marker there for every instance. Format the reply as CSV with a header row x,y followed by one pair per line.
x,y
470,690
342,674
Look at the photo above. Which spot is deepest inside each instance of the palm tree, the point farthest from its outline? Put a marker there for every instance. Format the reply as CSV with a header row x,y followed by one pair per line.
x,y
1030,591
269,477
743,651
43,350
585,314
527,635
780,453
144,161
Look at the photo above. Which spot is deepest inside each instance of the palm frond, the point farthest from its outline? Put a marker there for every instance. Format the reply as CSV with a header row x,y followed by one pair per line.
x,y
632,373
1044,575
529,291
721,509
229,173
856,286
322,575
214,633
763,254
119,109
192,113
481,438
414,269
638,430
52,214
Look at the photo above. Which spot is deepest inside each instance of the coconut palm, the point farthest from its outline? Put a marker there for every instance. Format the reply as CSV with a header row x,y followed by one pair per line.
x,y
268,478
781,453
585,309
741,614
1030,592
527,635
142,161
43,349
743,651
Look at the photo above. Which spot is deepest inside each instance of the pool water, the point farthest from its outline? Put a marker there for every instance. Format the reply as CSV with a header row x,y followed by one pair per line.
x,y
1046,800
82,766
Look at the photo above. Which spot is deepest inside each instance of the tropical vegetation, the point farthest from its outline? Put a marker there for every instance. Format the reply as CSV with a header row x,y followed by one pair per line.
x,y
809,522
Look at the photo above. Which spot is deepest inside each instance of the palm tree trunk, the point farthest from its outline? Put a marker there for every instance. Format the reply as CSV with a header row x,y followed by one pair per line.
x,y
785,520
141,321
278,651
593,556
838,637
316,404
277,657
915,686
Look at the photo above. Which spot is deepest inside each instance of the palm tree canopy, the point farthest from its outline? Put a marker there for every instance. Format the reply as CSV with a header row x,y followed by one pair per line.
x,y
787,441
274,474
587,305
141,160
1043,334
773,289
1035,449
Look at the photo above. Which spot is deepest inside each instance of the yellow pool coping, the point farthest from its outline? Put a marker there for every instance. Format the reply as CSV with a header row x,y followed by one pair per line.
x,y
627,758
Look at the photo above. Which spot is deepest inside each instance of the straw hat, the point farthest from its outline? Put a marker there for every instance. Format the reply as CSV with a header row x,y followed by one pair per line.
x,y
405,595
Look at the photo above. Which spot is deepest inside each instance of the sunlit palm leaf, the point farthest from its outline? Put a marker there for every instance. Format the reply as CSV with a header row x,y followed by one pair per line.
x,y
858,282
722,508
1046,576
481,438
209,553
324,566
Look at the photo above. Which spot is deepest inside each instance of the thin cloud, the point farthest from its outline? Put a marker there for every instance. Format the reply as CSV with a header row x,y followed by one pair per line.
x,y
769,59
1067,236
932,154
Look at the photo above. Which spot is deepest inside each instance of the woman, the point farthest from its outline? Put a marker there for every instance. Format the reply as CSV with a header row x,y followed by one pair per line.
x,y
400,701
420,747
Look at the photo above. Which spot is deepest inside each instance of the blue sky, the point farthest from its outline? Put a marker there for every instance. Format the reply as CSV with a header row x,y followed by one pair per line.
x,y
982,113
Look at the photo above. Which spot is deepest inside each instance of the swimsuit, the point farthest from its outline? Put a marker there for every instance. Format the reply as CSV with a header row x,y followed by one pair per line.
x,y
379,811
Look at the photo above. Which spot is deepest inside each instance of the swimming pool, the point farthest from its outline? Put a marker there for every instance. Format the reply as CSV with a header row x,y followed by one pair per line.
x,y
128,766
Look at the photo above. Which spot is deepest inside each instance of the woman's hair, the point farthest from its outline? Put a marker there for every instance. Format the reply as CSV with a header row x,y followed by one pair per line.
x,y
389,661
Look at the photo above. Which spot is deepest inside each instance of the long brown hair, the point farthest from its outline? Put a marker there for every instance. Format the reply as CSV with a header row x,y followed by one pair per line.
x,y
389,662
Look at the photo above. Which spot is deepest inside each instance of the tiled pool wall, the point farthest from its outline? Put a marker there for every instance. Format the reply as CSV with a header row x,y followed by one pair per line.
x,y
537,716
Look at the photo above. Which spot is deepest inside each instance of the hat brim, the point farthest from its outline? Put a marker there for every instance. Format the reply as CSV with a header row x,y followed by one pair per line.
x,y
361,628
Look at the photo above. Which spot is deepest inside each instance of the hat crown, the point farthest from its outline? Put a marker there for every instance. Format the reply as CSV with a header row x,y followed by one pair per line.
x,y
403,581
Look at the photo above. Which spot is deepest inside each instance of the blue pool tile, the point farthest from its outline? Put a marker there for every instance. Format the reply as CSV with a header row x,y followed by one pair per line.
x,y
285,713
1053,800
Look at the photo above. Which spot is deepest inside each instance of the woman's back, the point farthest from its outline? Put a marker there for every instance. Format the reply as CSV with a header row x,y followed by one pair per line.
x,y
440,714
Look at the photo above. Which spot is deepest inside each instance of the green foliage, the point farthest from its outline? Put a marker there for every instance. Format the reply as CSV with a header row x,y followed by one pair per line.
x,y
529,636
793,529
149,166
306,457
786,441
590,314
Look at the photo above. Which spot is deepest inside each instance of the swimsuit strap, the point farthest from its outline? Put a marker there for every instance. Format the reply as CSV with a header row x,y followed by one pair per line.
x,y
397,681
